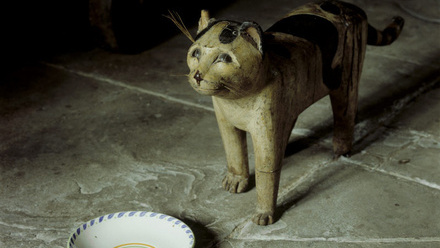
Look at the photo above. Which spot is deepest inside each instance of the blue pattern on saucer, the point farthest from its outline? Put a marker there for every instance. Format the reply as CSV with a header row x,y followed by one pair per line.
x,y
176,222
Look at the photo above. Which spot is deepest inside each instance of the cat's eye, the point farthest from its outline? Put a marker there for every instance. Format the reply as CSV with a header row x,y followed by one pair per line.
x,y
196,53
225,58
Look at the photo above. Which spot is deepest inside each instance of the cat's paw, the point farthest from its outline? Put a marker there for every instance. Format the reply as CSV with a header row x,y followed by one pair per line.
x,y
263,218
234,183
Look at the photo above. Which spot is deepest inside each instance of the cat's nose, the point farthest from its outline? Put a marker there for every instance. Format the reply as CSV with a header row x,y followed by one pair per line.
x,y
198,77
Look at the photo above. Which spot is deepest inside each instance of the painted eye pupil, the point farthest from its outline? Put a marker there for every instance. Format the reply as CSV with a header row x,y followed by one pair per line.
x,y
224,58
196,53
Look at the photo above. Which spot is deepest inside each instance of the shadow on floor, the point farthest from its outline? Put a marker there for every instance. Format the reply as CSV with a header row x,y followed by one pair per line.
x,y
306,186
204,237
379,114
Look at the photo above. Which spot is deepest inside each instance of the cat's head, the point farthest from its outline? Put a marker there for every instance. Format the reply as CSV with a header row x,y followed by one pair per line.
x,y
226,59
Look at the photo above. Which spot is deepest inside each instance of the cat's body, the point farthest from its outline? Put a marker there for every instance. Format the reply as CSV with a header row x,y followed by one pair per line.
x,y
261,82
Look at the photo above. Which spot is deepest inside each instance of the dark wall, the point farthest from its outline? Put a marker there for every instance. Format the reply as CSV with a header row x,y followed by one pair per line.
x,y
33,29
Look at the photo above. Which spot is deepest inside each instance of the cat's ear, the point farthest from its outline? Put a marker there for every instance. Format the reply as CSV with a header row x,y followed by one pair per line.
x,y
253,33
203,21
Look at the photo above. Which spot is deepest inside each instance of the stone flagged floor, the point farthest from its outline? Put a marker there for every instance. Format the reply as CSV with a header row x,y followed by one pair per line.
x,y
89,133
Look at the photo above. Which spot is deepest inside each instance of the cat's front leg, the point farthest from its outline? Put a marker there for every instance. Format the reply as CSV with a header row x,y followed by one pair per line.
x,y
269,150
267,183
234,142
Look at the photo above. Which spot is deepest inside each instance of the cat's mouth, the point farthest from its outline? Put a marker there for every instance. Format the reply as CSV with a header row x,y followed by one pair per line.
x,y
208,88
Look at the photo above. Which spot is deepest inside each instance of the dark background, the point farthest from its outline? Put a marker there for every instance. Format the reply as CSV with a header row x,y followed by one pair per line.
x,y
35,29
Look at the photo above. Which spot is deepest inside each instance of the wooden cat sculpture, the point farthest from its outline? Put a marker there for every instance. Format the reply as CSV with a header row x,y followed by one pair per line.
x,y
261,81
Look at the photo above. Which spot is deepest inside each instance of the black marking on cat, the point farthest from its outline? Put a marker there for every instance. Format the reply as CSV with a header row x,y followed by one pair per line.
x,y
210,25
277,49
213,23
234,29
388,35
229,33
331,8
319,31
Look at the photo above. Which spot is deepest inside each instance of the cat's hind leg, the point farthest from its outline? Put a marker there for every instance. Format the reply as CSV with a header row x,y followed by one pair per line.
x,y
344,105
344,99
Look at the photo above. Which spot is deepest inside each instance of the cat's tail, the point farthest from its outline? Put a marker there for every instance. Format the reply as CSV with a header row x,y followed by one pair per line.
x,y
388,35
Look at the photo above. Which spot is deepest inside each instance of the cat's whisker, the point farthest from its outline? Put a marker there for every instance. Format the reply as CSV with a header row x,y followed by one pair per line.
x,y
180,75
233,90
177,20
